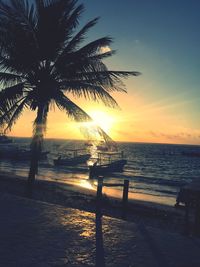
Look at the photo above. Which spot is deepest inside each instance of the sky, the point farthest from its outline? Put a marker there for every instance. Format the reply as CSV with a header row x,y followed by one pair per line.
x,y
160,39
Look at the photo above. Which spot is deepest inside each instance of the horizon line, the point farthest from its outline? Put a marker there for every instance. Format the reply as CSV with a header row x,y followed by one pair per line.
x,y
137,142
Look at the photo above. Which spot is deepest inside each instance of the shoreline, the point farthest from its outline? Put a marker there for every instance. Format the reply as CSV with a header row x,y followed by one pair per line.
x,y
74,196
149,184
87,186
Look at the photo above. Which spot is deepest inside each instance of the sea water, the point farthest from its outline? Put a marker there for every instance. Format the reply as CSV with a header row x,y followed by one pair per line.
x,y
156,170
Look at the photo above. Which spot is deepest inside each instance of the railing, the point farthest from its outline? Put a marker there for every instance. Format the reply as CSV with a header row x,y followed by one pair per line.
x,y
125,186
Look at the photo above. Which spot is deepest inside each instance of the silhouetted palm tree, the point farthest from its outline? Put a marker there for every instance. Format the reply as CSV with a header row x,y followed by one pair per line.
x,y
42,60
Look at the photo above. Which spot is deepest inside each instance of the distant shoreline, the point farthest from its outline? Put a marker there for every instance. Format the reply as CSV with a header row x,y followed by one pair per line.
x,y
125,142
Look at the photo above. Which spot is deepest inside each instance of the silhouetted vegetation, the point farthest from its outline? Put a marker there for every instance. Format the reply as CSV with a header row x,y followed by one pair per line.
x,y
43,58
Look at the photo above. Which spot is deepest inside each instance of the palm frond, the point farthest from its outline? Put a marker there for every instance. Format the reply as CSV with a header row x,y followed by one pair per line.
x,y
58,19
7,111
95,72
9,79
18,14
71,19
89,91
80,36
90,68
10,100
77,39
23,12
15,114
10,95
72,110
93,47
101,56
18,49
75,112
87,51
83,67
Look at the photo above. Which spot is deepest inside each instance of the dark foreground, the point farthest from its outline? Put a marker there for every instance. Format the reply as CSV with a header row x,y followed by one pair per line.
x,y
35,233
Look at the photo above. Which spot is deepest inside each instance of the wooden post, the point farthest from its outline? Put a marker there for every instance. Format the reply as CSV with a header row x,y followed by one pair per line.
x,y
99,194
125,198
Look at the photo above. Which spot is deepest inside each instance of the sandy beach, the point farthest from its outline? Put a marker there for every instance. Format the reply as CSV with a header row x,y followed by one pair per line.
x,y
57,226
139,209
40,234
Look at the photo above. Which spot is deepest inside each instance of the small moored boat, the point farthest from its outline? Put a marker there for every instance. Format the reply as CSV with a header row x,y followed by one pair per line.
x,y
191,154
4,139
72,159
115,163
24,154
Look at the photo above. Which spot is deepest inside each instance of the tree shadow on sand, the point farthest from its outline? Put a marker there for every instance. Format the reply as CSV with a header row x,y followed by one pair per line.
x,y
100,259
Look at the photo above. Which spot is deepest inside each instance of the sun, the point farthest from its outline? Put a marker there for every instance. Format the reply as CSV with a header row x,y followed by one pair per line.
x,y
102,119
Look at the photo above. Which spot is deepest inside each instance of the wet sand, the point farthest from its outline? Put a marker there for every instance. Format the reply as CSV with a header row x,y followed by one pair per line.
x,y
140,208
39,234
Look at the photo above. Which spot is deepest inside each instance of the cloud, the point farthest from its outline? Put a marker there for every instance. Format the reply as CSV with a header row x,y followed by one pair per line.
x,y
181,135
105,49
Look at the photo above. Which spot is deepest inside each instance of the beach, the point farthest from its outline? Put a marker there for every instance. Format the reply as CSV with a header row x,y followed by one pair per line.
x,y
57,226
90,176
154,181
74,196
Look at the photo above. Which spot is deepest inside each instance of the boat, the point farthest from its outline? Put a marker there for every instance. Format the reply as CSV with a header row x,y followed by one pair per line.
x,y
102,146
115,163
13,152
7,150
191,154
4,139
74,157
25,154
88,144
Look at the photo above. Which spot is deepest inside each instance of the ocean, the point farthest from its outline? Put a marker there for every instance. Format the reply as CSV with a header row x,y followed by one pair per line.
x,y
156,170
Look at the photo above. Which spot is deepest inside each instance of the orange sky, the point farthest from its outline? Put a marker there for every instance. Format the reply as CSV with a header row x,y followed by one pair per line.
x,y
138,120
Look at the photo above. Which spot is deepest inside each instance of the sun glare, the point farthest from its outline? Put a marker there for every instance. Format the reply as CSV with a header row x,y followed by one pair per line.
x,y
102,119
86,184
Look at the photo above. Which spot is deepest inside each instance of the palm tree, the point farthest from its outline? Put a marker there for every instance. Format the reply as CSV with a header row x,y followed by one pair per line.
x,y
42,61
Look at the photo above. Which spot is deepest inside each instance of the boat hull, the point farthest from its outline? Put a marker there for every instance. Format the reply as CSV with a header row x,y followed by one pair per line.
x,y
5,140
116,166
13,153
72,161
26,155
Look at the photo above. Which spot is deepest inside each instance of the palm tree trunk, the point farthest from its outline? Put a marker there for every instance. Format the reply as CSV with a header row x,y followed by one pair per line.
x,y
33,164
36,144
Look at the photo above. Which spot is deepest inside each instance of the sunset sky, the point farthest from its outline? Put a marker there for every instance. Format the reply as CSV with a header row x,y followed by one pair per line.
x,y
161,39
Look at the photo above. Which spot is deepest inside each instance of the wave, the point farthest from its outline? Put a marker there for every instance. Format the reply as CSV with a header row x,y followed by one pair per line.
x,y
152,180
153,169
159,181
